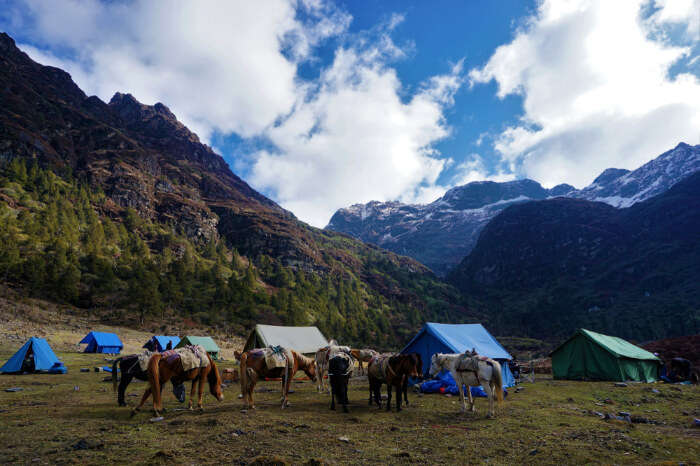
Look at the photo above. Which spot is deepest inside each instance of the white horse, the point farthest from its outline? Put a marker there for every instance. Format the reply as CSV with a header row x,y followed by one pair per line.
x,y
488,376
322,357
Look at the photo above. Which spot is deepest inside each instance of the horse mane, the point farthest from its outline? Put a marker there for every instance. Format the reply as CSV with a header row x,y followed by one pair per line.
x,y
214,378
306,361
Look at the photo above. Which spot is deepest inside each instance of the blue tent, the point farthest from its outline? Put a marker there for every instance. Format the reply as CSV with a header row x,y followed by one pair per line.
x,y
35,355
102,342
160,343
458,338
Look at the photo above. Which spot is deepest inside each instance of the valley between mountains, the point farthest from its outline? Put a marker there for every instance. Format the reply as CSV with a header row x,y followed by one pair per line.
x,y
117,209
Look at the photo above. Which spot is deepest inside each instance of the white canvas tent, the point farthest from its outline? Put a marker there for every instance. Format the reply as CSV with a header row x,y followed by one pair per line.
x,y
305,340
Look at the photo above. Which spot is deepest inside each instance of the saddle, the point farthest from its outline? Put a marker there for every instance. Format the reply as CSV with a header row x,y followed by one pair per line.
x,y
276,356
190,356
467,363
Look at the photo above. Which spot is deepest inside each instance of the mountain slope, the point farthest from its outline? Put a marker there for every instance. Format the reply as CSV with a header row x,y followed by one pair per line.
x,y
623,188
545,268
438,234
120,205
443,232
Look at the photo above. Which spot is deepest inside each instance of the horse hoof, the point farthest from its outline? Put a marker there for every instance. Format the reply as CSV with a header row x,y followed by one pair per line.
x,y
133,413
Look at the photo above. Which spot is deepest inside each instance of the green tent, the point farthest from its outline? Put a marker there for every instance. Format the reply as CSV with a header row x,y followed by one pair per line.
x,y
593,356
207,342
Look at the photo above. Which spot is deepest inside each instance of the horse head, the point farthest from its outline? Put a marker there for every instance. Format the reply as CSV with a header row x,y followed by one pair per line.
x,y
436,364
308,365
418,365
214,379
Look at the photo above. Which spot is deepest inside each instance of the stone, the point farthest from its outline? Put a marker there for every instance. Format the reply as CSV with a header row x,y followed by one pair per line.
x,y
620,384
344,439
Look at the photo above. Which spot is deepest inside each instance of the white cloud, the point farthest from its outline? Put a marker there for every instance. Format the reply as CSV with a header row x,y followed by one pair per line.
x,y
354,139
219,65
596,89
474,169
682,12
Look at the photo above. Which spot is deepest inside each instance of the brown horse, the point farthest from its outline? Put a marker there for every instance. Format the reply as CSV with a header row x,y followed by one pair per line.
x,y
253,368
363,355
160,370
392,370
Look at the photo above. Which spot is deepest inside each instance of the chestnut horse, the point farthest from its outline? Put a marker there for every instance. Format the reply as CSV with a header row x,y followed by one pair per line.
x,y
363,355
392,370
160,370
253,368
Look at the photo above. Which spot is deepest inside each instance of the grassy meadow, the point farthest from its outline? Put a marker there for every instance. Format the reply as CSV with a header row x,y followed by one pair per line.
x,y
74,418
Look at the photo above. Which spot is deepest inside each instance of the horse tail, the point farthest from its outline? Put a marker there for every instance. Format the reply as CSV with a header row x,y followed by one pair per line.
x,y
497,378
154,373
115,382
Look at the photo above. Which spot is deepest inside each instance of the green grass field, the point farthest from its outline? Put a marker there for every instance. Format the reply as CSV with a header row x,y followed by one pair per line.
x,y
547,422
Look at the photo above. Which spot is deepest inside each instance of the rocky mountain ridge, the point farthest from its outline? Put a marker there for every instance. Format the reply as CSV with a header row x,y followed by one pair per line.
x,y
139,161
443,232
548,267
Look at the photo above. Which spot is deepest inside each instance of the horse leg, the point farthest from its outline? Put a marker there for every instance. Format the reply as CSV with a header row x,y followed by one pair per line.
x,y
399,387
145,396
123,383
460,389
193,388
489,393
202,378
344,393
388,396
471,399
371,392
404,389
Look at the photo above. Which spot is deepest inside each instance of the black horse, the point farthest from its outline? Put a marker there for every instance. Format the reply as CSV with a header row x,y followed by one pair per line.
x,y
130,369
340,367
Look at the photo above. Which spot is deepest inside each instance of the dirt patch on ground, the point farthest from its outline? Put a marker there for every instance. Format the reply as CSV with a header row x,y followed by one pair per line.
x,y
64,326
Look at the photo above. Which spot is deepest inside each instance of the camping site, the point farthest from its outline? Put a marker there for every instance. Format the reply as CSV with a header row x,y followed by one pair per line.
x,y
74,417
349,232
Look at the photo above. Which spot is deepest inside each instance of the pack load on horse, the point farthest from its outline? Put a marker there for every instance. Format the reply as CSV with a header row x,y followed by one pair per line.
x,y
363,355
394,371
322,357
471,370
277,362
181,364
135,366
340,367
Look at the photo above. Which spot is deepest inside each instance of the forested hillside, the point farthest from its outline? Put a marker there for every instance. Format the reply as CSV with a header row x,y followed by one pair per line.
x,y
545,268
120,207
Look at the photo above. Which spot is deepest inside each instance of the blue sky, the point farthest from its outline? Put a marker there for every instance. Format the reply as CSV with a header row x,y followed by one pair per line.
x,y
320,104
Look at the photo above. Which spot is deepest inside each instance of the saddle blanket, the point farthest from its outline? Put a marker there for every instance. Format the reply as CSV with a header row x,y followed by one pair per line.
x,y
277,357
379,365
190,356
143,360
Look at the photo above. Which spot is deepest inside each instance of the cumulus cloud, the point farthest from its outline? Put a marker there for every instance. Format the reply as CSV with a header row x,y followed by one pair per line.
x,y
596,88
474,169
354,134
353,138
220,65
